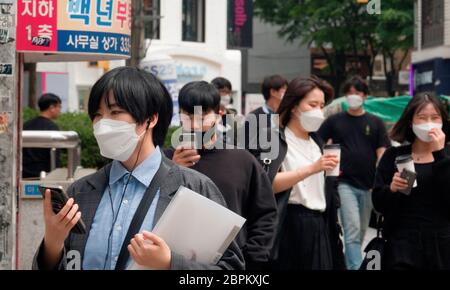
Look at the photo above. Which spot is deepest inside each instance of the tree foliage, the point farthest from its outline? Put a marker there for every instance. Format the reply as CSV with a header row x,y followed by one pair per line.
x,y
347,28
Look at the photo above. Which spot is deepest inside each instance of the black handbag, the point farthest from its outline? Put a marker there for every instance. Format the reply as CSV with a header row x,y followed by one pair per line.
x,y
374,251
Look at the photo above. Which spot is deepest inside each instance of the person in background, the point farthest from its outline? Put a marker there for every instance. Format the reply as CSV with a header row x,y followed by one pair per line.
x,y
273,89
225,89
363,139
417,226
229,125
242,181
308,234
36,160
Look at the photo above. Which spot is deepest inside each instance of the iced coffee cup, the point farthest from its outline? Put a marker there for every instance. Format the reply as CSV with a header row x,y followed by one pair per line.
x,y
336,150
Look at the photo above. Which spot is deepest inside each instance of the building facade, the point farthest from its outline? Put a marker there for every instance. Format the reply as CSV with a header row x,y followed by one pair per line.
x,y
431,57
271,54
189,36
189,43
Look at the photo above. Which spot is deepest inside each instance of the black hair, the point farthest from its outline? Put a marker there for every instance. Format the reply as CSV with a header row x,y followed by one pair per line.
x,y
199,93
274,82
221,83
297,90
47,100
358,83
402,130
139,93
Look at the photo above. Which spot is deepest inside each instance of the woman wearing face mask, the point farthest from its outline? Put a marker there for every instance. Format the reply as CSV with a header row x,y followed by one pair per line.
x,y
307,236
131,111
417,225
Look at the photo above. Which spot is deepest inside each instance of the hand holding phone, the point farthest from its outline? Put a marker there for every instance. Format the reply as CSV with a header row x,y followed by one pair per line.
x,y
59,199
410,177
188,141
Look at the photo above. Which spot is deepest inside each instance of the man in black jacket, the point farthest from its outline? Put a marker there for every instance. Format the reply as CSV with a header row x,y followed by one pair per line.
x,y
273,89
243,183
36,160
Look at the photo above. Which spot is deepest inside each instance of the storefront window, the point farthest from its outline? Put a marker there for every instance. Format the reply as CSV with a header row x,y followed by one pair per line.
x,y
194,20
152,27
432,23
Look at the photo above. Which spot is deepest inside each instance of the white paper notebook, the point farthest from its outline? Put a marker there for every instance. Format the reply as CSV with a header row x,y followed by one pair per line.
x,y
196,227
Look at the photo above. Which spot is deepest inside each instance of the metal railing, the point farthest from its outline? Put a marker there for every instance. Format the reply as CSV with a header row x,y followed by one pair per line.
x,y
56,140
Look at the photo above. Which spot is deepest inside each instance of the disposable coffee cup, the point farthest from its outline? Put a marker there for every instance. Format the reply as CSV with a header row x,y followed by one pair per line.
x,y
405,162
336,150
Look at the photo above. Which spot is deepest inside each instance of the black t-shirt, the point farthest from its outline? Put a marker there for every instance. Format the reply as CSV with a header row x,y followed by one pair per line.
x,y
36,160
359,138
247,191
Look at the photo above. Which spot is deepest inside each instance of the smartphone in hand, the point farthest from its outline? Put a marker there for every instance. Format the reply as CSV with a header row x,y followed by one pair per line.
x,y
189,141
410,177
59,200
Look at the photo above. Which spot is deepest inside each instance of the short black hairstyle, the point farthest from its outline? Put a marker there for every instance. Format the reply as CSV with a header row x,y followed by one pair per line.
x,y
199,93
221,83
358,83
402,130
47,100
139,93
274,82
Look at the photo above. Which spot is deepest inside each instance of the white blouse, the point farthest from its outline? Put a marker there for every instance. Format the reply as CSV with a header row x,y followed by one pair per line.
x,y
309,192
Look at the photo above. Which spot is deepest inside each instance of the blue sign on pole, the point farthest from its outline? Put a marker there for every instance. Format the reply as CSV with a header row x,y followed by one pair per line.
x,y
32,190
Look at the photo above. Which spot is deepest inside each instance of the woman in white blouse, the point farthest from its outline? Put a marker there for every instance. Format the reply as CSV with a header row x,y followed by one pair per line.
x,y
308,233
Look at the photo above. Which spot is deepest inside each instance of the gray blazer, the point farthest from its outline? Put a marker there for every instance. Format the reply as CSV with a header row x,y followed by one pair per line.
x,y
89,190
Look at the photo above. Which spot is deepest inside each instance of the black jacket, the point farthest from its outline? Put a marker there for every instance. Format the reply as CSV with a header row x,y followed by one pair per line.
x,y
248,192
263,123
88,193
273,166
35,160
388,203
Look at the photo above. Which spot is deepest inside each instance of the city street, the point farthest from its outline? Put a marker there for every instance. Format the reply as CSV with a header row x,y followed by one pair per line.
x,y
223,135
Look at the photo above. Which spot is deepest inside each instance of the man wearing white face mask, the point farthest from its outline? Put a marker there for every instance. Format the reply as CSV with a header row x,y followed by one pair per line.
x,y
244,184
131,111
417,225
228,127
308,231
363,140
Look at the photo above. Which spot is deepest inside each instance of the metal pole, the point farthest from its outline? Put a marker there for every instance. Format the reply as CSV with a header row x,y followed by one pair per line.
x,y
137,31
9,129
52,159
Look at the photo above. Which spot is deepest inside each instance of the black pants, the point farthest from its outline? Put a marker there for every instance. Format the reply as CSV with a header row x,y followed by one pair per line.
x,y
418,249
304,241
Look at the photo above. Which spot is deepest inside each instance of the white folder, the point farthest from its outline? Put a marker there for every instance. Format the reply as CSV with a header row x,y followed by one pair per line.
x,y
196,227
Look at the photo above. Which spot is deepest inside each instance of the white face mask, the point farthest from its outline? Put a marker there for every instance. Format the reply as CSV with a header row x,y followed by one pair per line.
x,y
225,100
422,130
311,120
354,101
117,139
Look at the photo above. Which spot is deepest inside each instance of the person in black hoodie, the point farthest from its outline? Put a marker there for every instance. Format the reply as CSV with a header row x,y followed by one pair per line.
x,y
308,236
243,183
417,226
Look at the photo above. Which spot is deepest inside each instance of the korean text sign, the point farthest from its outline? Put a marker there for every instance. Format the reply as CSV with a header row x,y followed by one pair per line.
x,y
74,26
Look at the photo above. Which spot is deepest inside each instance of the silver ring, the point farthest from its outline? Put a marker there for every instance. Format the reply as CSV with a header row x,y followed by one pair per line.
x,y
193,162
